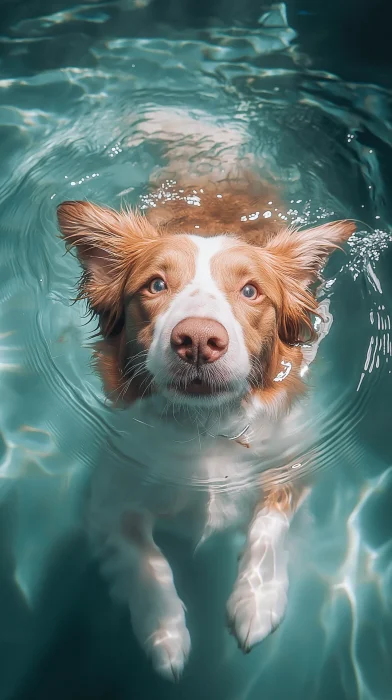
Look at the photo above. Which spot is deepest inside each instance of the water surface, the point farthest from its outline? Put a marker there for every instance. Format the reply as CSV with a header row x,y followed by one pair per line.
x,y
94,101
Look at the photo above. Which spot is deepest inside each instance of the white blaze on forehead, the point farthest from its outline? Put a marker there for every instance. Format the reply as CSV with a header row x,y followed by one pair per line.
x,y
207,248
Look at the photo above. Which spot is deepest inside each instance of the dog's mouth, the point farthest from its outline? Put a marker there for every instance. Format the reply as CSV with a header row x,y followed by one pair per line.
x,y
197,386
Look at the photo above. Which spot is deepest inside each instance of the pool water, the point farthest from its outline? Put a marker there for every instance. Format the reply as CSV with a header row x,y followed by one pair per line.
x,y
95,100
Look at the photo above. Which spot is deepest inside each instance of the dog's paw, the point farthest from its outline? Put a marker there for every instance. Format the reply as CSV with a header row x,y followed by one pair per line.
x,y
254,613
168,647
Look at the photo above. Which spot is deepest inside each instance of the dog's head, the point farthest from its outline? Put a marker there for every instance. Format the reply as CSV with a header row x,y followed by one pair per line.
x,y
200,319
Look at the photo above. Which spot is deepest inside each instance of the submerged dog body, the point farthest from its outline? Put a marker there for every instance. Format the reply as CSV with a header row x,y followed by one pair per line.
x,y
203,305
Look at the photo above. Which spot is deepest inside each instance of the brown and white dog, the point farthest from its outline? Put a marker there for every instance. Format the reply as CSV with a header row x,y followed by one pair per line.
x,y
203,310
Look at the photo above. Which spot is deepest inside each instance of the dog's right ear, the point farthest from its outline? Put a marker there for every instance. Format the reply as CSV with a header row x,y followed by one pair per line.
x,y
88,228
107,244
104,238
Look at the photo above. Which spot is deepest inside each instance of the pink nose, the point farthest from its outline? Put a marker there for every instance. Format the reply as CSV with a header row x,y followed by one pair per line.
x,y
199,340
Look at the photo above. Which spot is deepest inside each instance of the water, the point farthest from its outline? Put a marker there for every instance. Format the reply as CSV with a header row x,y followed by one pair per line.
x,y
94,101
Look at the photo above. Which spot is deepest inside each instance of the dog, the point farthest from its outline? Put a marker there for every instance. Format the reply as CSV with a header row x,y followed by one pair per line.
x,y
204,304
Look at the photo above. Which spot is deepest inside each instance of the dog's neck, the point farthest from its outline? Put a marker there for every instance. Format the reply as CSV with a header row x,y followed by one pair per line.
x,y
233,423
178,444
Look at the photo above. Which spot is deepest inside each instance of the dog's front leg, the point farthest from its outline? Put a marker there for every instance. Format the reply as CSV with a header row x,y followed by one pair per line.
x,y
141,576
258,602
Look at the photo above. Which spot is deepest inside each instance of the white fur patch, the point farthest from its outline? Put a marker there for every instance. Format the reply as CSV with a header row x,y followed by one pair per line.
x,y
141,577
258,602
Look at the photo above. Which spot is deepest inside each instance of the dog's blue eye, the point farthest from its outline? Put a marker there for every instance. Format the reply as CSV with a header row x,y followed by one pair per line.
x,y
249,291
157,285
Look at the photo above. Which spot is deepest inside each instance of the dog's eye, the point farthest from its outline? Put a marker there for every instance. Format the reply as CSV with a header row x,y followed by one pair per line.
x,y
157,285
249,291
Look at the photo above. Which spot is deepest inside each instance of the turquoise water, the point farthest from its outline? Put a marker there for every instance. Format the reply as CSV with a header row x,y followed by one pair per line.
x,y
94,101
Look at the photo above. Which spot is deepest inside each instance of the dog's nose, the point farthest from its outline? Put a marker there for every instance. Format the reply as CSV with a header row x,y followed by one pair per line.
x,y
199,340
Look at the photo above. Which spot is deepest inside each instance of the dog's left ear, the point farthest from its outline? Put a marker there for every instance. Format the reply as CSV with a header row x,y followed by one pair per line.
x,y
303,253
296,258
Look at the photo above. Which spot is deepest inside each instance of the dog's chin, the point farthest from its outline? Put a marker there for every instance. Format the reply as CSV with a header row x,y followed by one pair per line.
x,y
198,393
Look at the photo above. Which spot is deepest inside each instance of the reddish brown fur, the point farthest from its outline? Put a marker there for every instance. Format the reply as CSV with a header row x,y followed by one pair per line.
x,y
219,215
284,498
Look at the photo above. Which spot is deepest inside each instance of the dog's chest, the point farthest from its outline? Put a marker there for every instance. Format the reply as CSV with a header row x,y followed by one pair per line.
x,y
188,476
